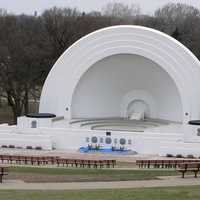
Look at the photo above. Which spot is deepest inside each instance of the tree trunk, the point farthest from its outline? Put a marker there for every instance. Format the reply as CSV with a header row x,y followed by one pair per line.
x,y
14,116
17,110
26,102
16,106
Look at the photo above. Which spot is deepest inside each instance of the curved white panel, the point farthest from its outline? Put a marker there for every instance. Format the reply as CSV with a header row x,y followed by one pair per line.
x,y
181,65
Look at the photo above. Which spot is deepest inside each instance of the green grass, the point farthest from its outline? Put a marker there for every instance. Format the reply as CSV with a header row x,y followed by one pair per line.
x,y
109,174
169,193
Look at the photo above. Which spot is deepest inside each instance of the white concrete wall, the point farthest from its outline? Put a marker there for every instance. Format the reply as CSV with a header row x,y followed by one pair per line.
x,y
101,89
24,140
180,147
73,139
26,122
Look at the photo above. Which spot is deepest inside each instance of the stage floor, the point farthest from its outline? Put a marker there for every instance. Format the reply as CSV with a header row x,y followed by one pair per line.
x,y
120,124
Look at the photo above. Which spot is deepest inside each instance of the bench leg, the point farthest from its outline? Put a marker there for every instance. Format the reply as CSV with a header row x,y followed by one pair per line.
x,y
183,174
195,174
1,178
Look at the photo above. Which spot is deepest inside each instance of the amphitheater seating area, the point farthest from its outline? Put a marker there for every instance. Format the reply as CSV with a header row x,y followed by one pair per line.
x,y
54,160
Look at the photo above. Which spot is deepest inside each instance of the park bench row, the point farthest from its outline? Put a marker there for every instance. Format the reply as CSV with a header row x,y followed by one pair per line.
x,y
54,160
87,163
182,165
19,159
169,163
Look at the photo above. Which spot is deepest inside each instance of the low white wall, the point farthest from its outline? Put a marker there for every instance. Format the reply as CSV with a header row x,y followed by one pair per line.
x,y
145,143
26,122
182,148
23,140
190,134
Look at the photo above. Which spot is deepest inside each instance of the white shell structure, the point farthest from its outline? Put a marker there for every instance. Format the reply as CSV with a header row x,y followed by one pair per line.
x,y
121,87
100,74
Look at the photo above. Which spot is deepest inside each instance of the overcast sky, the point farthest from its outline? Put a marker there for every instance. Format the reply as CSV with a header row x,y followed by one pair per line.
x,y
29,6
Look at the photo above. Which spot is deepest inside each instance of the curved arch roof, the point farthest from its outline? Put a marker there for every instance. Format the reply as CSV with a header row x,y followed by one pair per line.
x,y
178,61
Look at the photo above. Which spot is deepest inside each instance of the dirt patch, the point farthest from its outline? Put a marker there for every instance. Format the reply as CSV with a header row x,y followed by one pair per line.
x,y
43,178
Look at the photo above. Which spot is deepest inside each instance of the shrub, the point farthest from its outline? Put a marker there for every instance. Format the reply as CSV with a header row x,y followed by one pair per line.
x,y
169,155
11,146
122,148
29,147
4,146
179,156
97,147
190,156
113,148
89,147
38,148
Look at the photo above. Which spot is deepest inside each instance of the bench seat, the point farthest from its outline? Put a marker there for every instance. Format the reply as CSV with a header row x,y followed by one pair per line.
x,y
189,167
3,172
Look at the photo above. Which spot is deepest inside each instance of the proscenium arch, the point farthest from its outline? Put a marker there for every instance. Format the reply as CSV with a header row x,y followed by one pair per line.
x,y
182,66
108,87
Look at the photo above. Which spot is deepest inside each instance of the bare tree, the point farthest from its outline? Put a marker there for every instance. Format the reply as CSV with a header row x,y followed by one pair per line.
x,y
3,12
65,26
173,16
121,10
22,60
181,21
61,27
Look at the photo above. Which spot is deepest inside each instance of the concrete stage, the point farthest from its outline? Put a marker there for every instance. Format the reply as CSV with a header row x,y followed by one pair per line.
x,y
158,137
118,71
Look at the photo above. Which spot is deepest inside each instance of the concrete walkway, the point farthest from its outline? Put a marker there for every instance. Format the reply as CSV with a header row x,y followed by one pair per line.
x,y
163,182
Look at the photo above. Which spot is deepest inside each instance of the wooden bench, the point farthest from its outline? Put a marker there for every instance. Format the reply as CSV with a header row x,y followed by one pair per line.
x,y
85,163
45,160
189,167
3,172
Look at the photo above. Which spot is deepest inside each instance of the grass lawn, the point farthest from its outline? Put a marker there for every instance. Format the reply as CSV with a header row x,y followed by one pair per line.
x,y
43,174
170,193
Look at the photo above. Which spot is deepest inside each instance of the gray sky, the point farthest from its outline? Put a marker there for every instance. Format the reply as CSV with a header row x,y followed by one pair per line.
x,y
29,6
